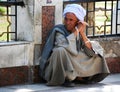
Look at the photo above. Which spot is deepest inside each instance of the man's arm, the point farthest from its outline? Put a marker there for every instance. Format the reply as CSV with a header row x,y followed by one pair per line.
x,y
80,29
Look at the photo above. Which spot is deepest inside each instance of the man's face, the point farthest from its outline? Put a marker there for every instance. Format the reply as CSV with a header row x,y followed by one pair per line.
x,y
70,21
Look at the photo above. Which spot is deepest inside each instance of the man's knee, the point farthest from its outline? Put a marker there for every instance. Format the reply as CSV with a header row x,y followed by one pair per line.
x,y
59,50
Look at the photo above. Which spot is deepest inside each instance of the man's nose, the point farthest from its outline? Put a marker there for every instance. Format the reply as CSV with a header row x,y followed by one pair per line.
x,y
67,22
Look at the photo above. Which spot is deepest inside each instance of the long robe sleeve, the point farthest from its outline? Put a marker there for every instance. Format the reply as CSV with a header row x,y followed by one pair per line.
x,y
68,43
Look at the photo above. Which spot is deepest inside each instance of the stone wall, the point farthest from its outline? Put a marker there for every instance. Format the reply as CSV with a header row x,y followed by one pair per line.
x,y
20,60
44,20
16,59
111,47
112,53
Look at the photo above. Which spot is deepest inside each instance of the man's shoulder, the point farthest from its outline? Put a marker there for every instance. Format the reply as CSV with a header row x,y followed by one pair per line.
x,y
59,26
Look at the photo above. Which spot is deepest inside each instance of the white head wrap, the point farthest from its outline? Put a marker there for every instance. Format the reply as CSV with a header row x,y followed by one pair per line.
x,y
77,9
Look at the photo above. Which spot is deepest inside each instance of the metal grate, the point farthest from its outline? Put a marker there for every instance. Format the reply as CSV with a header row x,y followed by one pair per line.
x,y
8,18
102,16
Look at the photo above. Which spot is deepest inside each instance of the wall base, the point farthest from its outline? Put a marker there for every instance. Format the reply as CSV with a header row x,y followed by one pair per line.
x,y
113,64
28,75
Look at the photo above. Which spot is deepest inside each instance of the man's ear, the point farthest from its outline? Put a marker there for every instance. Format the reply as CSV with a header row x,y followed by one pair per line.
x,y
77,23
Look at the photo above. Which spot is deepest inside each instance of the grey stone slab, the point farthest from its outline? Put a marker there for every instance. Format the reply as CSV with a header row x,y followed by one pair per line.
x,y
109,84
6,90
111,78
28,88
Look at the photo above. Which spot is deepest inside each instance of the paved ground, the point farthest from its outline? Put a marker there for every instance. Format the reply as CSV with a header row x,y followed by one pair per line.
x,y
109,84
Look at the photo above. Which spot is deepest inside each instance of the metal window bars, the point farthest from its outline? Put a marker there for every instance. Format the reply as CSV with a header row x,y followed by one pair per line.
x,y
103,17
5,33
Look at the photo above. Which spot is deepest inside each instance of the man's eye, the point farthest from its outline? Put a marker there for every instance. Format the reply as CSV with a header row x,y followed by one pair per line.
x,y
65,18
71,19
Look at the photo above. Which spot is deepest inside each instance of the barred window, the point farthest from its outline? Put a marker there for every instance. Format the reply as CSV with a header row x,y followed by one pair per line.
x,y
102,16
8,19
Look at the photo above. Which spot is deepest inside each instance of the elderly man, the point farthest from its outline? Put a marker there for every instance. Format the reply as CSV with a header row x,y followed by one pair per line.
x,y
69,55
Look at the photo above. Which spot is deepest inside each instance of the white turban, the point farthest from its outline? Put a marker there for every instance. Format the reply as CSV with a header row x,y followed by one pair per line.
x,y
76,9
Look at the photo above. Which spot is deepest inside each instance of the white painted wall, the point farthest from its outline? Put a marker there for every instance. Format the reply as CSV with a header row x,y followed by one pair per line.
x,y
26,51
38,15
114,19
16,54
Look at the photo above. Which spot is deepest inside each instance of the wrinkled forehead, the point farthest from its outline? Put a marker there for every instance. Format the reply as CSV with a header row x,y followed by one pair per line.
x,y
71,15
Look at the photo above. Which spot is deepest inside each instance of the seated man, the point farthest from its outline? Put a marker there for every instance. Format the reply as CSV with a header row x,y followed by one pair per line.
x,y
69,55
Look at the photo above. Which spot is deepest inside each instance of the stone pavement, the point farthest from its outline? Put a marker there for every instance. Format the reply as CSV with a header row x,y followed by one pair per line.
x,y
109,84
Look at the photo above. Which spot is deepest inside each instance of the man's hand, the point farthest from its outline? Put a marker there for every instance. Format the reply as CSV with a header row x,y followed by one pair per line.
x,y
81,26
80,29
